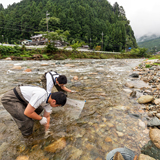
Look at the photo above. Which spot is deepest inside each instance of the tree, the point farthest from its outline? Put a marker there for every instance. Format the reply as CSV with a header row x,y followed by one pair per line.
x,y
1,7
52,37
52,23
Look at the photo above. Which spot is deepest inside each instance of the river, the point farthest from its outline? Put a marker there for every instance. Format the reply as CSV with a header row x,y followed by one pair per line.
x,y
110,118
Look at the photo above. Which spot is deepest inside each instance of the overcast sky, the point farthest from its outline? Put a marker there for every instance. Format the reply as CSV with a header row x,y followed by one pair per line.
x,y
143,14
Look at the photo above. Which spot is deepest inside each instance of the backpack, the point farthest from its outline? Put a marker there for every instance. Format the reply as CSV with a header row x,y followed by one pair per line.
x,y
43,78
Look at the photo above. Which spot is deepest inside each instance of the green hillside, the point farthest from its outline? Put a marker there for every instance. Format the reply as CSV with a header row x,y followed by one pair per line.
x,y
151,45
96,22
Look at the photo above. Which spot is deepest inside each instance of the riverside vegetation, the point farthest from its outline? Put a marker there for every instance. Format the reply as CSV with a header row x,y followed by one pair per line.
x,y
21,53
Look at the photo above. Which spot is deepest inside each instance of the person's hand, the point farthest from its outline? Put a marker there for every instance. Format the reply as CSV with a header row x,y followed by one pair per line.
x,y
73,91
48,133
43,121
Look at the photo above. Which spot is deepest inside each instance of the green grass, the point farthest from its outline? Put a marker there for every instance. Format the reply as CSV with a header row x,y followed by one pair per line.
x,y
155,57
156,64
148,66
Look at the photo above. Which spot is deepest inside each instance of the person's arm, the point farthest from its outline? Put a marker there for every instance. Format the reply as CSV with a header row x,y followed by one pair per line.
x,y
47,115
66,89
30,112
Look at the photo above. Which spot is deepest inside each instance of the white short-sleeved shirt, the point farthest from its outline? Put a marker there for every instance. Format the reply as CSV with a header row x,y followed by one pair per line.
x,y
49,81
36,96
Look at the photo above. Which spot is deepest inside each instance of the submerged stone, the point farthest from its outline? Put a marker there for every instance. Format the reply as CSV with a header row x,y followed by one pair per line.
x,y
118,156
155,136
145,157
151,150
56,146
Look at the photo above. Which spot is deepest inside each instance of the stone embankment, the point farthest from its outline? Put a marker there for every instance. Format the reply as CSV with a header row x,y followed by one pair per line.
x,y
149,72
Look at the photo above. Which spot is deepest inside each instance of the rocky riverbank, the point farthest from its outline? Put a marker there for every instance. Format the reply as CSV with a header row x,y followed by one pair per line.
x,y
149,96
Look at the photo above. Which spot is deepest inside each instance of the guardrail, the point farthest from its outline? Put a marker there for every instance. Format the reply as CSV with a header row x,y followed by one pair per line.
x,y
68,48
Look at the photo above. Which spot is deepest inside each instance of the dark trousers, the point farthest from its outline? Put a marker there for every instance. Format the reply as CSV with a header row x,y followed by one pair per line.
x,y
16,109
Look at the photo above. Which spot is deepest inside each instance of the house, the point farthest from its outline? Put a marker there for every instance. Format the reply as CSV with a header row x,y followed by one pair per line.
x,y
85,46
57,43
38,40
25,42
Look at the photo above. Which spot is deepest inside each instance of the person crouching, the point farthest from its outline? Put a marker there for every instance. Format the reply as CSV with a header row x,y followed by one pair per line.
x,y
25,103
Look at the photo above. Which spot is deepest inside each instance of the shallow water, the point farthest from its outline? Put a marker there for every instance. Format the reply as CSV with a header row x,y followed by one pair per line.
x,y
110,118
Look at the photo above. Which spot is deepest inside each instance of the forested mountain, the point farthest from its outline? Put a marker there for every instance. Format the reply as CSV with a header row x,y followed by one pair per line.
x,y
147,37
96,22
152,45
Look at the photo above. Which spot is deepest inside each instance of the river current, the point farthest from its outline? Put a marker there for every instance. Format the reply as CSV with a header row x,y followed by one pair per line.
x,y
110,118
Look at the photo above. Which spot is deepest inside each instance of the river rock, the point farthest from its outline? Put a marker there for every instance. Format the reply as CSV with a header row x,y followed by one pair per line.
x,y
98,158
135,75
157,101
3,147
8,58
118,156
133,94
158,115
120,134
44,64
22,158
28,70
75,78
141,123
151,150
108,139
37,56
17,67
58,145
152,113
145,157
154,135
75,153
145,99
69,65
129,85
153,122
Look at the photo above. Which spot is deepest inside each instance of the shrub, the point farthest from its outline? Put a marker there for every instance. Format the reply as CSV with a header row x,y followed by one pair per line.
x,y
98,48
45,56
148,66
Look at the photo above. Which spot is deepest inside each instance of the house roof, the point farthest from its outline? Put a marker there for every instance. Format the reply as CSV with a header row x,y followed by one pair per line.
x,y
26,40
85,46
38,36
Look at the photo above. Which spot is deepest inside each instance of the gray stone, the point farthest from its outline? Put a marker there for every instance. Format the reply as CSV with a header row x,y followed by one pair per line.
x,y
151,150
153,122
135,75
3,147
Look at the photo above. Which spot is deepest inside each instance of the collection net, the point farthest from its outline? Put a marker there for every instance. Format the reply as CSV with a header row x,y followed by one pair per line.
x,y
74,107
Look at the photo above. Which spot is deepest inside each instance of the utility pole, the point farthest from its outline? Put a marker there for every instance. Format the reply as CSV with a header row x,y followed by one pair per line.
x,y
2,39
47,14
102,41
90,43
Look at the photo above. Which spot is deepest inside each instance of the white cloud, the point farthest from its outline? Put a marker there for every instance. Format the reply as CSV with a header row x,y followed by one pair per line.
x,y
5,3
143,15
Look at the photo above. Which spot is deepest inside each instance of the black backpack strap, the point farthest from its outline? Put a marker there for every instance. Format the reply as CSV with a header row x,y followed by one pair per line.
x,y
54,82
17,95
